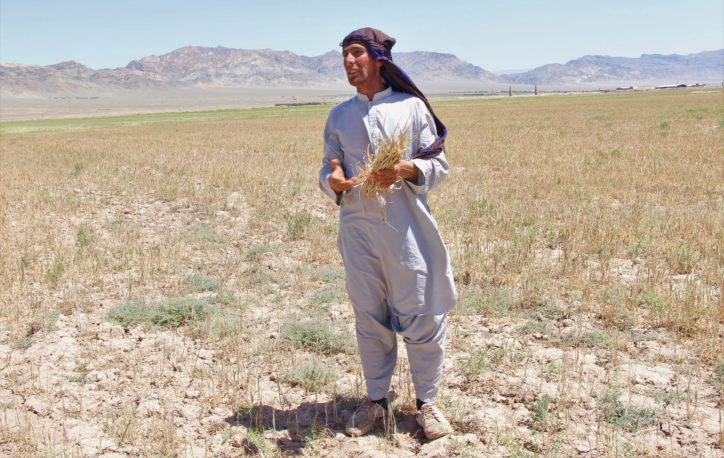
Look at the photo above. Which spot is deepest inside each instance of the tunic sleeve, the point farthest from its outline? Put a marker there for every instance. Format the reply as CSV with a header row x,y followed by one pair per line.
x,y
332,150
432,171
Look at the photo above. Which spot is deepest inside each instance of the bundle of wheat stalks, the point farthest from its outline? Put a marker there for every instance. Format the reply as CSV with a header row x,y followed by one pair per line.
x,y
388,155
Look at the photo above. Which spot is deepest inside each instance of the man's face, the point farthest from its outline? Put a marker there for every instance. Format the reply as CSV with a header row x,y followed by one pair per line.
x,y
362,70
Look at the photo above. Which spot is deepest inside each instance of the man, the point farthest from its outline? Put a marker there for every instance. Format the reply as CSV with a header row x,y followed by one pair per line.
x,y
398,271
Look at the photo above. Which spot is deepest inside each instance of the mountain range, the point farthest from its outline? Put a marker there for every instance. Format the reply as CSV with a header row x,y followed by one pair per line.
x,y
219,67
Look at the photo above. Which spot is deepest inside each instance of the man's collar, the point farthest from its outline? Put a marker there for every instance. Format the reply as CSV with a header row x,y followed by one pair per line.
x,y
378,96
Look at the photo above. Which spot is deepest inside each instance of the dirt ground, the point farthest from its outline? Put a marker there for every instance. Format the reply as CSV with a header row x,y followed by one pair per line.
x,y
587,261
85,386
63,106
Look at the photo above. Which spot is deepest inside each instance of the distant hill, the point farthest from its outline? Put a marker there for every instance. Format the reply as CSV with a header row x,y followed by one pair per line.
x,y
703,67
227,67
195,66
202,67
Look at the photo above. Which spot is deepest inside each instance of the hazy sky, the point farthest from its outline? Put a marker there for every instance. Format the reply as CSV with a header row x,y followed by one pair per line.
x,y
494,35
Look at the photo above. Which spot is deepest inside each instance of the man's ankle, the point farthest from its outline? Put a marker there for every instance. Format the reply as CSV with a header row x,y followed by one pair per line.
x,y
382,402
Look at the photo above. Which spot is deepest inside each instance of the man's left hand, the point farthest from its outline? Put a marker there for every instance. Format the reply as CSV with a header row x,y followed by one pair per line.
x,y
388,177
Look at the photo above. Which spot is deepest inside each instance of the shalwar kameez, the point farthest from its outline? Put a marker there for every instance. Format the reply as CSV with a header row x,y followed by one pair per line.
x,y
399,278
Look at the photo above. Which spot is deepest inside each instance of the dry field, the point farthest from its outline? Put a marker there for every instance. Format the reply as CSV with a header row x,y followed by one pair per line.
x,y
170,285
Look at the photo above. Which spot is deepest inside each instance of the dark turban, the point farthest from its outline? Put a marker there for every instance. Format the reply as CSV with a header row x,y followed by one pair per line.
x,y
379,46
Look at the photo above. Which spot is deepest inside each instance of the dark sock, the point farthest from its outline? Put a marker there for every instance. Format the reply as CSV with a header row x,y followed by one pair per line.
x,y
382,402
419,404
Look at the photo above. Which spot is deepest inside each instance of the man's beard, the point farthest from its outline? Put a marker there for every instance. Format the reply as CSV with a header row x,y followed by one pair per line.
x,y
358,78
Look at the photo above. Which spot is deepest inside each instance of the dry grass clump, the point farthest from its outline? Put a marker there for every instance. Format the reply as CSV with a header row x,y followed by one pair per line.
x,y
388,154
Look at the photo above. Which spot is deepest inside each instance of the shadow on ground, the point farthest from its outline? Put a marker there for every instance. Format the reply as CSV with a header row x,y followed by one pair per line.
x,y
311,421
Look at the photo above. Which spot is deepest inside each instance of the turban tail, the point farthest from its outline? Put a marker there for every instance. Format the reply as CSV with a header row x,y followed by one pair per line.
x,y
379,47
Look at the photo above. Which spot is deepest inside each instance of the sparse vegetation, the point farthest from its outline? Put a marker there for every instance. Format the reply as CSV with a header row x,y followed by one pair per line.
x,y
298,225
170,313
255,443
627,417
316,336
55,271
203,283
22,343
718,378
204,234
539,413
496,301
329,274
255,253
328,295
313,377
157,273
593,339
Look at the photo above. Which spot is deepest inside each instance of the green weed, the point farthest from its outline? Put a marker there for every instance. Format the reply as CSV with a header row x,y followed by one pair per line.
x,y
642,244
227,434
539,413
327,296
23,264
593,339
652,301
204,234
55,271
264,278
203,283
171,313
664,128
222,321
118,423
316,336
668,398
84,239
329,274
615,311
255,253
314,377
49,320
22,343
496,301
81,378
534,326
551,371
681,259
718,379
298,225
256,444
479,360
475,363
629,418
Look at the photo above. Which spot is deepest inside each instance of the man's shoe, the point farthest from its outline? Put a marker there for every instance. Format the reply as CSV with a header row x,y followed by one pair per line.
x,y
433,422
364,418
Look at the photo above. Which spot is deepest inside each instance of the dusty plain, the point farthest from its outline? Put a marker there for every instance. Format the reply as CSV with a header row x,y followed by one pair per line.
x,y
103,104
170,284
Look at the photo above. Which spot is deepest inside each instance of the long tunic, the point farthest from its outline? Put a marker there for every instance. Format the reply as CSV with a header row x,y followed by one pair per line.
x,y
403,260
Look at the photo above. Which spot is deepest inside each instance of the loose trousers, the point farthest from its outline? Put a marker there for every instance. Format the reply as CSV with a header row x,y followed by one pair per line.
x,y
424,337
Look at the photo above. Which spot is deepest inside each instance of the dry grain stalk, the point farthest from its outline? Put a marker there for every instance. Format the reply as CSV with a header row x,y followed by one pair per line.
x,y
389,153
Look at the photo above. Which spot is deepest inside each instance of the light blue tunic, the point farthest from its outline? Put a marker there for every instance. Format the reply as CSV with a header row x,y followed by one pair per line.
x,y
401,261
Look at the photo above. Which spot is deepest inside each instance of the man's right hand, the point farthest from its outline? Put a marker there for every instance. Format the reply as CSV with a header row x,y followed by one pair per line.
x,y
337,180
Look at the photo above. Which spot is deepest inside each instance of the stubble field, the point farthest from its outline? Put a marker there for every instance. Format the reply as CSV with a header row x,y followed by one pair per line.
x,y
170,284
